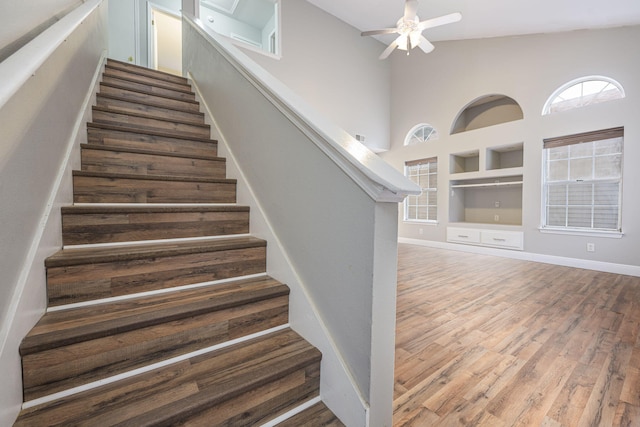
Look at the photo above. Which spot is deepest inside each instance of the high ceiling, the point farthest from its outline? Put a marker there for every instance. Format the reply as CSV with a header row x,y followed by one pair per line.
x,y
489,18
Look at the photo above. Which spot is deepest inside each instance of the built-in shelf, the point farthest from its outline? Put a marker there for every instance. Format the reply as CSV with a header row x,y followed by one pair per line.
x,y
505,157
468,161
488,200
486,185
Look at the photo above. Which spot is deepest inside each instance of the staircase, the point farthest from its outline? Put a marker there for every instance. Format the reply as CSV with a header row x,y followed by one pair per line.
x,y
160,310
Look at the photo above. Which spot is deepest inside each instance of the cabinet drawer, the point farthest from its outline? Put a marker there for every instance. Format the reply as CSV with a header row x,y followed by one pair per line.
x,y
505,239
464,235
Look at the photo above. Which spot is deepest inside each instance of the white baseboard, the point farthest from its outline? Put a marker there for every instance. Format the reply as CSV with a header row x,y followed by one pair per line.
x,y
607,267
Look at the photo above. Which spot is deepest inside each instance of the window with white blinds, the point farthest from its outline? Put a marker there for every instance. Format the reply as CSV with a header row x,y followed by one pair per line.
x,y
583,181
423,207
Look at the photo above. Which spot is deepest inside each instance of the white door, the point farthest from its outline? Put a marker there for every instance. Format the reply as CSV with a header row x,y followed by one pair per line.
x,y
123,30
165,44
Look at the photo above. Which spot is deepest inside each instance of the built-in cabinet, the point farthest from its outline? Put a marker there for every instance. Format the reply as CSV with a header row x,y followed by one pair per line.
x,y
494,238
485,189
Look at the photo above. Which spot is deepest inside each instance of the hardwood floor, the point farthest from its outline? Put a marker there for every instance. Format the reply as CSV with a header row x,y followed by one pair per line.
x,y
488,341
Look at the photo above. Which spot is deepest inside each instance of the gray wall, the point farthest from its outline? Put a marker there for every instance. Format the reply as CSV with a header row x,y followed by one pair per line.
x,y
38,125
433,88
21,21
333,68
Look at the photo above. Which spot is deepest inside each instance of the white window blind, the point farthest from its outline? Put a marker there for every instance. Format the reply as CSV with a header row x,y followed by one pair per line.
x,y
583,181
423,207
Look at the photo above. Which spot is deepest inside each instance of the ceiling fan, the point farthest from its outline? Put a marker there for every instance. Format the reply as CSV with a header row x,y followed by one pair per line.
x,y
410,29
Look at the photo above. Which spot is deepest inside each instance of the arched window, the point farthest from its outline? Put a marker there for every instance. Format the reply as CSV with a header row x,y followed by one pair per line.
x,y
421,133
582,92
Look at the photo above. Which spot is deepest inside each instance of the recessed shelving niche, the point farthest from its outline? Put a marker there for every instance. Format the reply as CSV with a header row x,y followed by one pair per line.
x,y
486,200
505,157
468,161
486,111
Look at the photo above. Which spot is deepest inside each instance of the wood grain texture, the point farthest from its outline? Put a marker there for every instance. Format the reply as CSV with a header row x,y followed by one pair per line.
x,y
488,341
148,88
100,187
147,145
72,347
99,224
152,140
79,277
144,121
137,69
318,416
116,91
108,159
182,391
146,79
122,104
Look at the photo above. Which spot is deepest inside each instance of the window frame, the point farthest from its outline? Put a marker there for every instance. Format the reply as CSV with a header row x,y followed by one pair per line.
x,y
434,135
430,189
546,110
575,139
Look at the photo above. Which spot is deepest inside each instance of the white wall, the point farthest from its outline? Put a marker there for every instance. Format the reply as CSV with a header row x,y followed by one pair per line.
x,y
38,125
227,26
20,21
433,88
333,68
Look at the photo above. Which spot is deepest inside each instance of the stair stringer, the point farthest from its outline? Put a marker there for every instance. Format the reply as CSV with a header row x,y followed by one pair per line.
x,y
338,388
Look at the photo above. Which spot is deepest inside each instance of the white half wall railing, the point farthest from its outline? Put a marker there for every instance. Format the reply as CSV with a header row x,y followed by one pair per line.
x,y
330,206
46,94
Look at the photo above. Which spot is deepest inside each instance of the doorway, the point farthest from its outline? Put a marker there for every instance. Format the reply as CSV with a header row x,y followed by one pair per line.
x,y
165,39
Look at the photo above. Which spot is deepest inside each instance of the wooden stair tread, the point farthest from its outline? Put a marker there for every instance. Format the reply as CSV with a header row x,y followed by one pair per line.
x,y
177,392
114,63
316,415
149,131
146,80
149,209
138,86
105,147
157,96
61,328
145,300
92,255
112,224
153,177
149,103
143,115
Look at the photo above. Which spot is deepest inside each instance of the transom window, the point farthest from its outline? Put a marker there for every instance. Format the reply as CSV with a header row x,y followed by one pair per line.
x,y
423,207
583,181
421,133
583,92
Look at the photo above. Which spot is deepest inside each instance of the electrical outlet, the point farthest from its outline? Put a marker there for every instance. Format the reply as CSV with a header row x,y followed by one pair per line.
x,y
497,204
420,231
496,218
591,247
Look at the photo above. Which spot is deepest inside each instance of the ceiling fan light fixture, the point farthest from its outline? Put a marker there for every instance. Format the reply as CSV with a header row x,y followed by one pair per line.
x,y
410,29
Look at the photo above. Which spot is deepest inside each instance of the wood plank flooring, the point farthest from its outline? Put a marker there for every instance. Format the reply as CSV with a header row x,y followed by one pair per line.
x,y
488,341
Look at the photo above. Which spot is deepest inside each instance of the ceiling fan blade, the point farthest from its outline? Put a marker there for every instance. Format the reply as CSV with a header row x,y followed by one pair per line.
x,y
442,20
410,10
425,45
388,50
377,32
